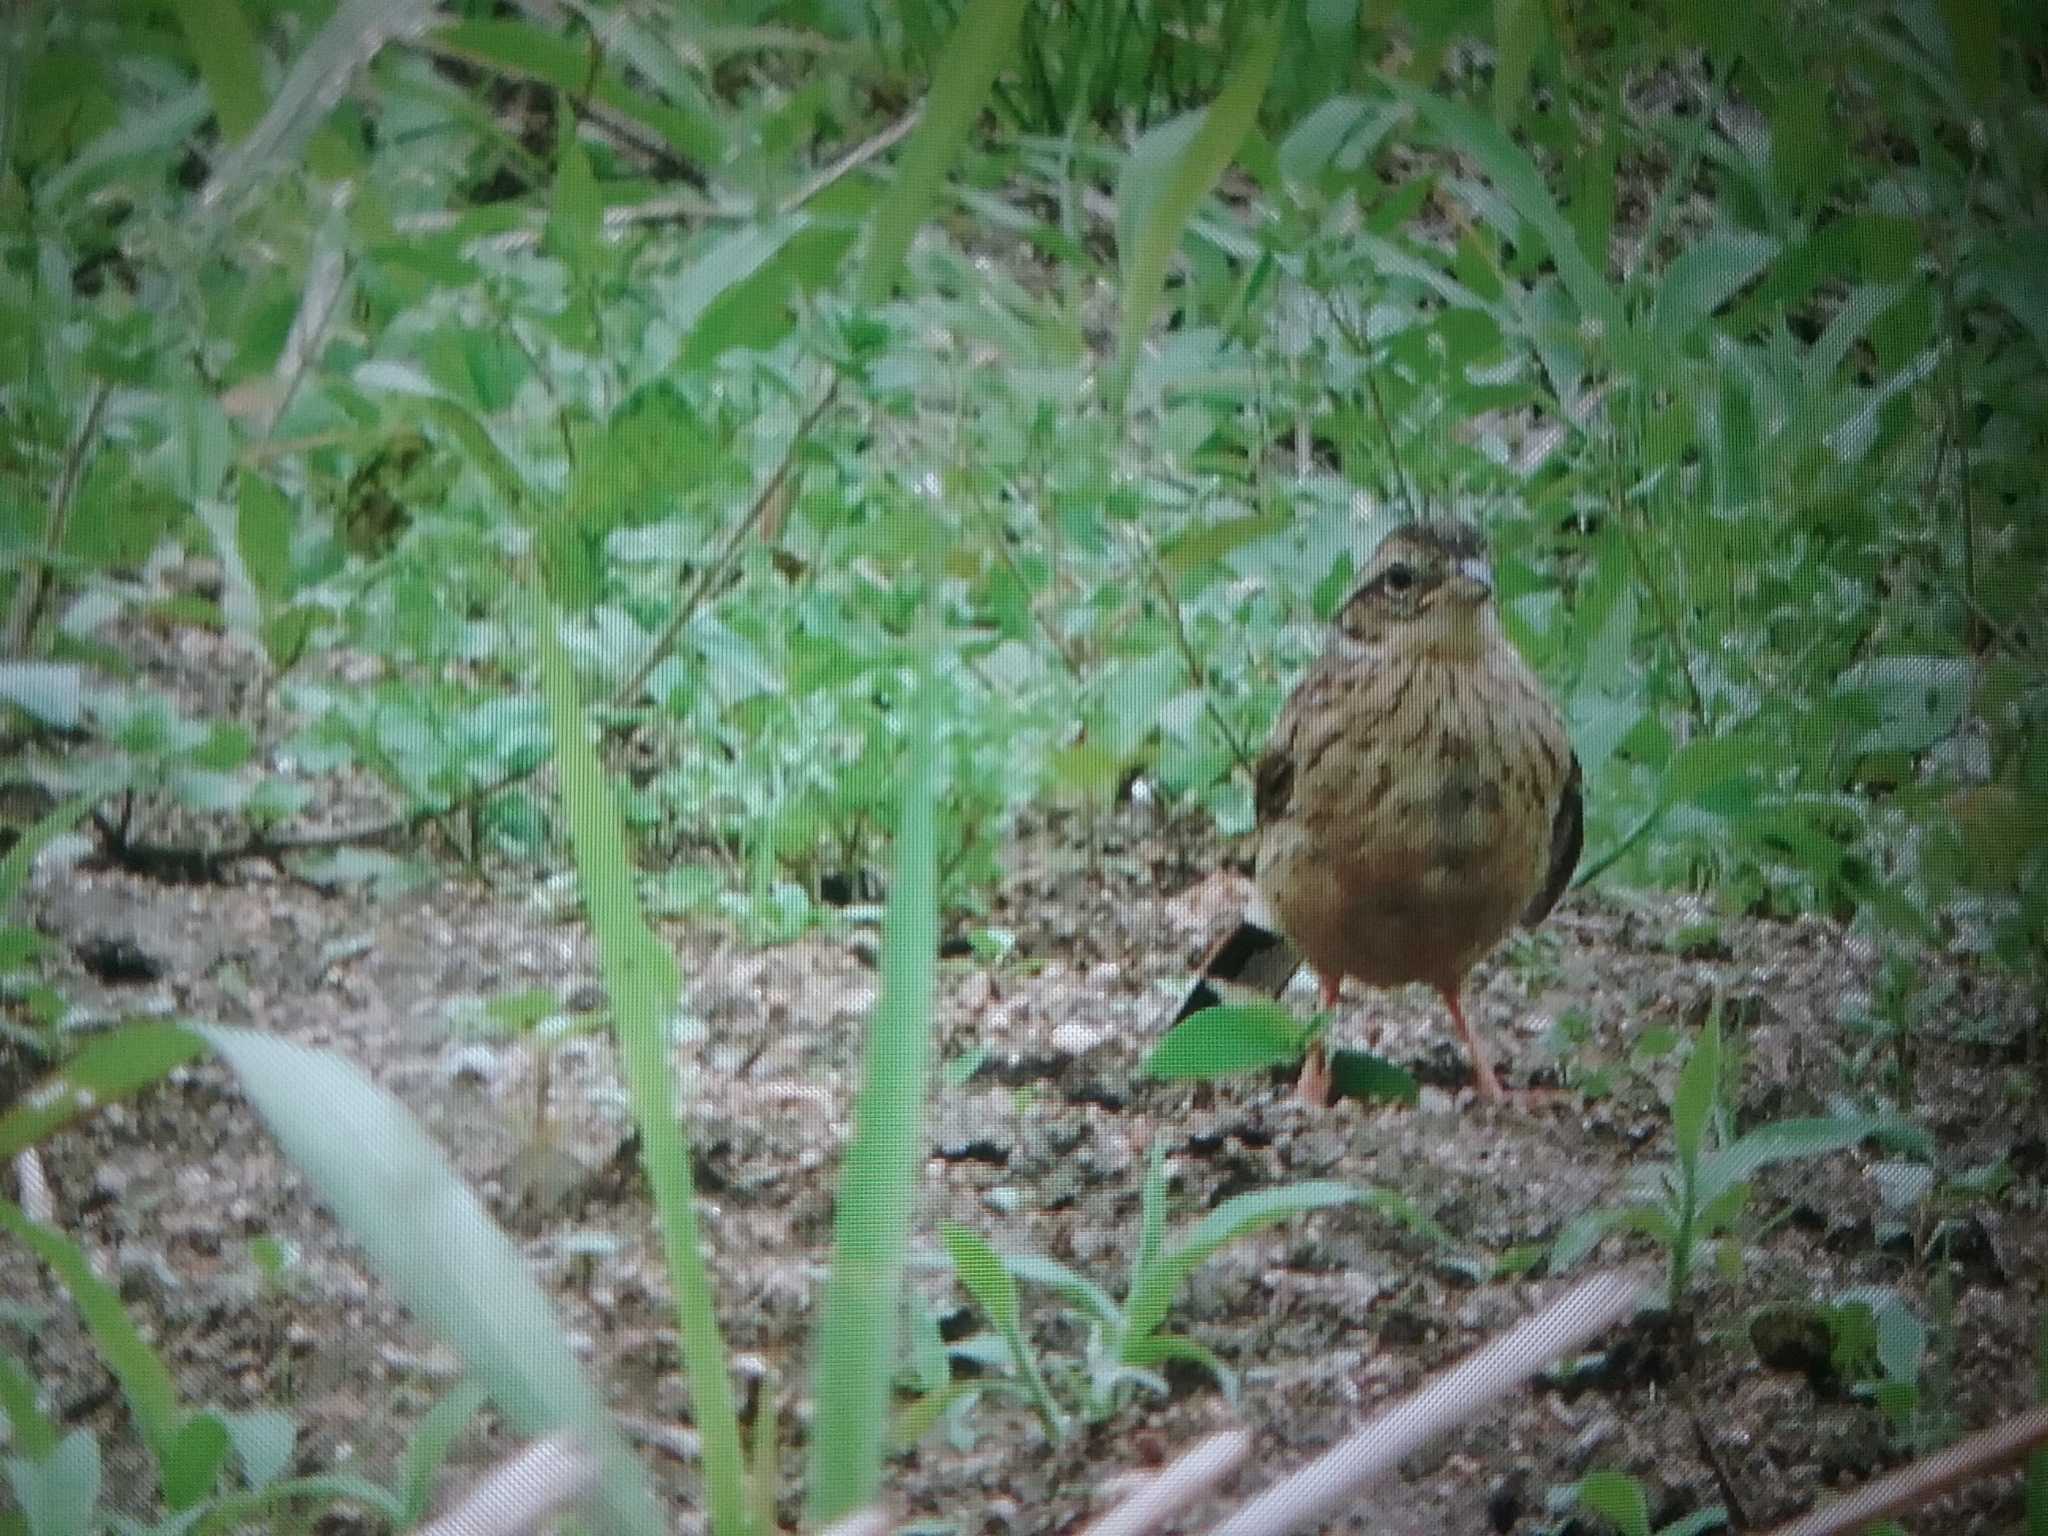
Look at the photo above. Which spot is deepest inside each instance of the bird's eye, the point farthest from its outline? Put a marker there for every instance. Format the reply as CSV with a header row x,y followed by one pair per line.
x,y
1399,578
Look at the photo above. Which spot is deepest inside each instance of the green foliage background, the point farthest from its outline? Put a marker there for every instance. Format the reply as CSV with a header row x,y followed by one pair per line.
x,y
1729,325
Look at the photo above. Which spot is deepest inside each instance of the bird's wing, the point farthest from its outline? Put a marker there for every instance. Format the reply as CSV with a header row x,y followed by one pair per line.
x,y
1567,839
1251,957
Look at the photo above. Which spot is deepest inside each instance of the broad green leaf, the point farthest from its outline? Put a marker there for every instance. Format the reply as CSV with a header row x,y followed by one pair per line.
x,y
1167,175
574,210
1367,1078
146,1383
1232,1038
59,1491
1719,1207
1337,136
198,1454
49,692
1917,700
141,136
433,1243
726,263
1151,1234
263,536
264,1440
1976,28
349,39
1617,1497
1210,542
1590,176
762,309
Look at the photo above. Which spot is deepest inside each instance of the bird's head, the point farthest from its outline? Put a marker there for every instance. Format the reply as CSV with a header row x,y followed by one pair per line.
x,y
1428,589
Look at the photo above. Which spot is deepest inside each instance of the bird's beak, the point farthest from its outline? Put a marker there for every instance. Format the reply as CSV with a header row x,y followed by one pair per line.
x,y
1473,582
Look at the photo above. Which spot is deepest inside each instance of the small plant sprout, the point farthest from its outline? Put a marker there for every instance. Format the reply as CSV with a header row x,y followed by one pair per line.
x,y
1685,1205
1128,1345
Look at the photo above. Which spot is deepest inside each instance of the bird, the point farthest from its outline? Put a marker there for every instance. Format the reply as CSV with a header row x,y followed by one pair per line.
x,y
1418,796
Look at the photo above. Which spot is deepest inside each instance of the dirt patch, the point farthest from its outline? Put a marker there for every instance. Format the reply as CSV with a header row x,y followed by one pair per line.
x,y
1042,1146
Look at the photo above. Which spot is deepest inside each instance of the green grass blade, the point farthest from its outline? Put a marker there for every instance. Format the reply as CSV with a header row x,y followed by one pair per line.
x,y
640,977
991,1282
1698,1083
15,867
223,48
33,1434
113,1066
1152,1289
1786,1141
1069,1285
858,1326
1168,174
434,1244
146,1383
966,70
1515,176
431,1441
569,65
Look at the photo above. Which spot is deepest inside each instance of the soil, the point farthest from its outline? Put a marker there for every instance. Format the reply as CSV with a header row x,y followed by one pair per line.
x,y
1042,1147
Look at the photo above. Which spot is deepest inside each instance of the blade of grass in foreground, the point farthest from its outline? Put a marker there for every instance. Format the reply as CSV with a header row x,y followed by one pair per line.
x,y
640,976
961,83
1169,172
857,1331
434,1244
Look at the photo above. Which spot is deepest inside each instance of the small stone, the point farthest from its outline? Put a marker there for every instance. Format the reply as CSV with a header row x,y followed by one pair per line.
x,y
1074,1039
1589,1440
471,1066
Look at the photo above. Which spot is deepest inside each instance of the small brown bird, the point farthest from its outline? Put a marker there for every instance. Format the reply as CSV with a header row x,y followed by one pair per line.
x,y
1419,795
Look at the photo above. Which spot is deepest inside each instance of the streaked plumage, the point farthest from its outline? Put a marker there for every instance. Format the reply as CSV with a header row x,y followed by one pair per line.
x,y
1419,795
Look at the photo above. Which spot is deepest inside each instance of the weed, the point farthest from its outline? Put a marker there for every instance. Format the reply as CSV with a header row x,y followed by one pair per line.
x,y
1127,1344
1685,1205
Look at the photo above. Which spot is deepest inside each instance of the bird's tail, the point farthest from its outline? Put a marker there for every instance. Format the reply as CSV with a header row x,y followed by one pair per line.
x,y
1253,957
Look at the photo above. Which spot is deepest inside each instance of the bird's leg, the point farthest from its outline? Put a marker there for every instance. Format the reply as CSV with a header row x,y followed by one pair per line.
x,y
1482,1064
1313,1086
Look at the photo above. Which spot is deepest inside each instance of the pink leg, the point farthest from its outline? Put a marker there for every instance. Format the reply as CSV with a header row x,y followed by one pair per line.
x,y
1313,1086
1482,1065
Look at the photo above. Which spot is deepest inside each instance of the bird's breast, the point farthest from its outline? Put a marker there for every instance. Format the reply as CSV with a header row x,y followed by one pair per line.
x,y
1419,824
